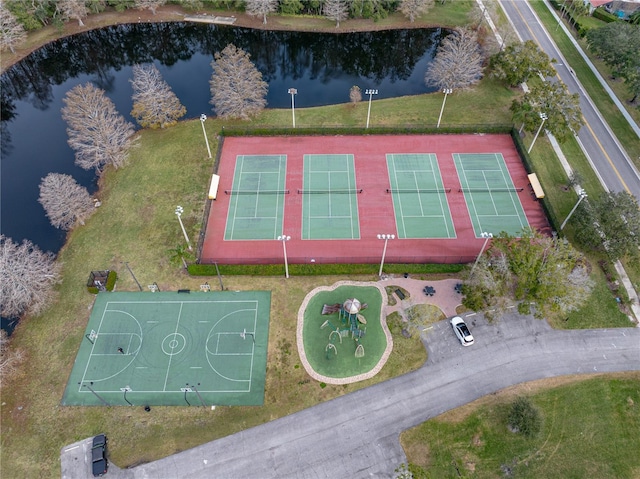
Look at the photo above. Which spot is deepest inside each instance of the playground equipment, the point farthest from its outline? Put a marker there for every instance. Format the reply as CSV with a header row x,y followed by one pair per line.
x,y
350,320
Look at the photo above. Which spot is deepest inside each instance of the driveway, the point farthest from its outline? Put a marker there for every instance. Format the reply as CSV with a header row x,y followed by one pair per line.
x,y
356,435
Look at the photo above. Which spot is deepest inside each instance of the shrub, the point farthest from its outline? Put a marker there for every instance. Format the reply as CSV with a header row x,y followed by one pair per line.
x,y
524,417
602,14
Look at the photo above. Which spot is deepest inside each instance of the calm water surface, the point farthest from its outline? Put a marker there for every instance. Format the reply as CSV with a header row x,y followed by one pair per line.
x,y
322,67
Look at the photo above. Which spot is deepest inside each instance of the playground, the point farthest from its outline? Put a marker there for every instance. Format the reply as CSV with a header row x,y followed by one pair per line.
x,y
173,348
342,334
333,196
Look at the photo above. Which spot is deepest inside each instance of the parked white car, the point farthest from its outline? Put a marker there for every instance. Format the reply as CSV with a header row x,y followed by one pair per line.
x,y
462,331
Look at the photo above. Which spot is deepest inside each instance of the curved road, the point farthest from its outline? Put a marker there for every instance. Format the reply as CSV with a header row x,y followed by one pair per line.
x,y
356,435
606,154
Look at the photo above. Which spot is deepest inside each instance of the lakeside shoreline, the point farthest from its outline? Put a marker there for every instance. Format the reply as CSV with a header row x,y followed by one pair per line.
x,y
172,13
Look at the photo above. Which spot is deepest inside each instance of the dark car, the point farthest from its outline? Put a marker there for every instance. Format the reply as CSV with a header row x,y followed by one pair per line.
x,y
99,462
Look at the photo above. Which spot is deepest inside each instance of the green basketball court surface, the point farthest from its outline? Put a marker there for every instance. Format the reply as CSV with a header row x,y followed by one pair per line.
x,y
173,348
490,194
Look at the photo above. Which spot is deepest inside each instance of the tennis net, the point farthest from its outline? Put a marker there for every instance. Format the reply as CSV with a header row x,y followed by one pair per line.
x,y
420,190
489,190
330,192
256,192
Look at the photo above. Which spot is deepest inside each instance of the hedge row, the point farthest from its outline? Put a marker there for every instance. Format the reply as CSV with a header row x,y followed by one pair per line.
x,y
395,130
320,269
602,14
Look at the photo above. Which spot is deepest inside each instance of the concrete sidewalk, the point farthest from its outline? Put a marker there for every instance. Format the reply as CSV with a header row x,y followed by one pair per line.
x,y
445,297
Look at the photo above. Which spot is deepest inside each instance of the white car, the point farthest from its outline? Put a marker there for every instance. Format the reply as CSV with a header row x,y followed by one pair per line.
x,y
462,331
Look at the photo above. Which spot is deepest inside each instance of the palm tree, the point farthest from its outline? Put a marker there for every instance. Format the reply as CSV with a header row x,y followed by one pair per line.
x,y
180,253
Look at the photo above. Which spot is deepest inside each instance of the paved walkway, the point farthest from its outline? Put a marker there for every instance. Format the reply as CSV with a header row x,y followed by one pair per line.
x,y
445,297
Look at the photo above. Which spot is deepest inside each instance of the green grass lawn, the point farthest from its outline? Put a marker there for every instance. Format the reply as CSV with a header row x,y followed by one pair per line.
x,y
136,226
589,428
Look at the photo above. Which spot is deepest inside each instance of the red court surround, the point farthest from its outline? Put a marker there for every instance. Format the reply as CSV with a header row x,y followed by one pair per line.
x,y
375,206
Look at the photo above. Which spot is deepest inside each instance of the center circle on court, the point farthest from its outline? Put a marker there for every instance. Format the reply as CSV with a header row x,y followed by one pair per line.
x,y
173,343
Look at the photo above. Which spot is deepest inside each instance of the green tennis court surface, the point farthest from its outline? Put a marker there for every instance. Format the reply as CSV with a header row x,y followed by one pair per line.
x,y
491,197
257,198
173,349
330,201
419,196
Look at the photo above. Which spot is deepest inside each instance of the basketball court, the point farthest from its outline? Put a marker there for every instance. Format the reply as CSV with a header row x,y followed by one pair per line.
x,y
173,348
333,196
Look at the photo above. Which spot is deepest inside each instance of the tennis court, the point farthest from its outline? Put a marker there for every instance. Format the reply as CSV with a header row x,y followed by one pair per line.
x,y
343,193
330,198
257,198
172,348
419,196
491,197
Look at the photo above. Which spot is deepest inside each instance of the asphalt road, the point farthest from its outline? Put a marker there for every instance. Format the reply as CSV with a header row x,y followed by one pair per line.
x,y
607,156
356,435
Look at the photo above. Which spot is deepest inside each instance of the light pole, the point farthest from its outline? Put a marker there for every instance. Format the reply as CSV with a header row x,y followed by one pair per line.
x,y
386,239
581,196
284,240
370,93
179,211
446,91
543,117
487,237
293,92
203,117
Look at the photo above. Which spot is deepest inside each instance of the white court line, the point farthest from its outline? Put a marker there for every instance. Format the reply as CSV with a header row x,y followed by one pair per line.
x,y
462,174
239,158
436,167
505,169
486,184
166,378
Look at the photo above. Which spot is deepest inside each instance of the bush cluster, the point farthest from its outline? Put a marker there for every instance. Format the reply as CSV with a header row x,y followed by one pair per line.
x,y
524,417
319,269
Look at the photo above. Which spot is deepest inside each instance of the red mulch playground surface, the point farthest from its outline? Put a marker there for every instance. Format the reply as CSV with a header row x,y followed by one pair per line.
x,y
375,206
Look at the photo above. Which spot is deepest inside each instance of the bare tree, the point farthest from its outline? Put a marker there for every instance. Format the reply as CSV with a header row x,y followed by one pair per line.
x,y
355,95
257,8
237,88
149,5
336,10
414,8
97,132
11,32
154,103
9,358
65,201
458,63
27,276
73,10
